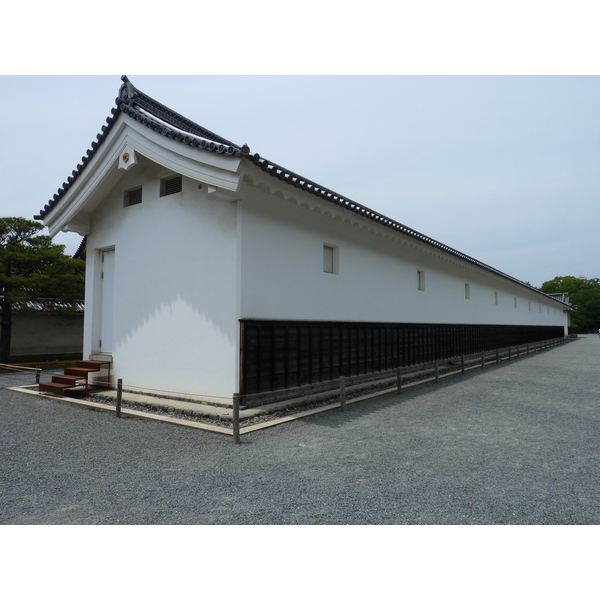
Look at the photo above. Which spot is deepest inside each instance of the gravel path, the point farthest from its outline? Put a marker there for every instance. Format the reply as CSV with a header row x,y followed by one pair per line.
x,y
512,444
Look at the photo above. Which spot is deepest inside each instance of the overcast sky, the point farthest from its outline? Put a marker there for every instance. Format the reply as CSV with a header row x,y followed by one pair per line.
x,y
502,168
505,169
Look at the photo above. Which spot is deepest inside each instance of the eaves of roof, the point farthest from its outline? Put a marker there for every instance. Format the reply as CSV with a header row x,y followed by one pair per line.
x,y
151,113
154,115
82,250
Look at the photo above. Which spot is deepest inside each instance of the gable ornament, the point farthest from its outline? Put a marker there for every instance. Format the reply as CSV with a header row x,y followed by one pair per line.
x,y
127,158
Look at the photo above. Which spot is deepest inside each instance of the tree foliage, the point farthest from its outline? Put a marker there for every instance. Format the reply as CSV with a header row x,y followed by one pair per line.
x,y
585,294
32,267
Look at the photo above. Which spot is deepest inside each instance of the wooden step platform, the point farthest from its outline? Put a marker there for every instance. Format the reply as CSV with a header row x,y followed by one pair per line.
x,y
74,376
79,371
92,364
54,388
68,379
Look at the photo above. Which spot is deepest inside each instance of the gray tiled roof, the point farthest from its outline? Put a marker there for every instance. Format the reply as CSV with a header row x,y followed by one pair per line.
x,y
156,116
144,109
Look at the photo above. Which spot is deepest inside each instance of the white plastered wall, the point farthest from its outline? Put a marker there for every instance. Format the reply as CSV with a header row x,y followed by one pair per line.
x,y
282,271
175,326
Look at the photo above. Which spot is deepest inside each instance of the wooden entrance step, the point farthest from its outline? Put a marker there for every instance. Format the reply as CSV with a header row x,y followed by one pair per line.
x,y
74,376
80,372
96,365
54,387
69,379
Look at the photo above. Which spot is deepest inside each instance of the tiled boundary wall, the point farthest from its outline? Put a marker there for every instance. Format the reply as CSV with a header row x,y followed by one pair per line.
x,y
278,355
38,335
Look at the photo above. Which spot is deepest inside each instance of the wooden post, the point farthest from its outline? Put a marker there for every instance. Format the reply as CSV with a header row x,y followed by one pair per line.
x,y
119,397
343,392
37,376
497,356
399,379
236,418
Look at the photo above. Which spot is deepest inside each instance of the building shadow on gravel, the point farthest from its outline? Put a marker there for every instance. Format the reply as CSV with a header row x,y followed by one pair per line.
x,y
338,418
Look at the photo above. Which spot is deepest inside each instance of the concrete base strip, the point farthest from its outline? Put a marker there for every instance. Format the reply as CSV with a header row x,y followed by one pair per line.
x,y
126,411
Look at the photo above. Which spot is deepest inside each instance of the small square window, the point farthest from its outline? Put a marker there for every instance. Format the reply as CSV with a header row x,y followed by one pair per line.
x,y
495,297
421,281
467,291
132,197
330,259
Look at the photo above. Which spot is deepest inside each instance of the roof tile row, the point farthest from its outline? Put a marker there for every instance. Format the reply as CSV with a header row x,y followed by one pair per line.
x,y
151,113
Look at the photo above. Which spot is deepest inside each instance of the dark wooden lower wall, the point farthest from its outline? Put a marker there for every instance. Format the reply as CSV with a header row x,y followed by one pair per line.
x,y
278,355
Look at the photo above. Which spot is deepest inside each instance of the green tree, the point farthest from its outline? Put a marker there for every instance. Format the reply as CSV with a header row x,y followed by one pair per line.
x,y
585,294
32,267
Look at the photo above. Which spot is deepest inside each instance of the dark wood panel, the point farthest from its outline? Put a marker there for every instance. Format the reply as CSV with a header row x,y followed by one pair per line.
x,y
287,354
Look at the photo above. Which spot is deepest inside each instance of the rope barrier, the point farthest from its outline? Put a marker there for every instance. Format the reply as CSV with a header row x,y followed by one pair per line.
x,y
16,368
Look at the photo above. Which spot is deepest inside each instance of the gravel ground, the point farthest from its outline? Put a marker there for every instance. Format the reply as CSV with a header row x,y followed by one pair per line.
x,y
512,444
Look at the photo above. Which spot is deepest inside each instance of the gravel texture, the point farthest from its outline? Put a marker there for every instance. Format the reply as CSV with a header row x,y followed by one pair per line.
x,y
510,444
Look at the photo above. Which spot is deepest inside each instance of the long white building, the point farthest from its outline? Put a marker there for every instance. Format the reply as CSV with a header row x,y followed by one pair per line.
x,y
213,271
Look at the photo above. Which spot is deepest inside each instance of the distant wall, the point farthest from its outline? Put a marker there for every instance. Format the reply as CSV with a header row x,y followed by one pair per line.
x,y
37,334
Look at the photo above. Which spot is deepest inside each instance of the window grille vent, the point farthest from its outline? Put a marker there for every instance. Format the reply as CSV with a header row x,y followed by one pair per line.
x,y
170,186
133,197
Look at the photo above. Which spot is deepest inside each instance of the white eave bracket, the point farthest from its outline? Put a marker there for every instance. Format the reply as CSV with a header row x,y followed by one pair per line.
x,y
216,192
80,224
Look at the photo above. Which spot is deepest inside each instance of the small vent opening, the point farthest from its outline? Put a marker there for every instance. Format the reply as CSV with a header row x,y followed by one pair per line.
x,y
172,185
133,197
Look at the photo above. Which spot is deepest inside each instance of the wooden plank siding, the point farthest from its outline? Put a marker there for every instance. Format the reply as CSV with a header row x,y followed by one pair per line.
x,y
279,355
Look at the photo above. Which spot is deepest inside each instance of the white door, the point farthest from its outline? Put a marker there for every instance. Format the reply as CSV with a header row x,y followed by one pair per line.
x,y
107,285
